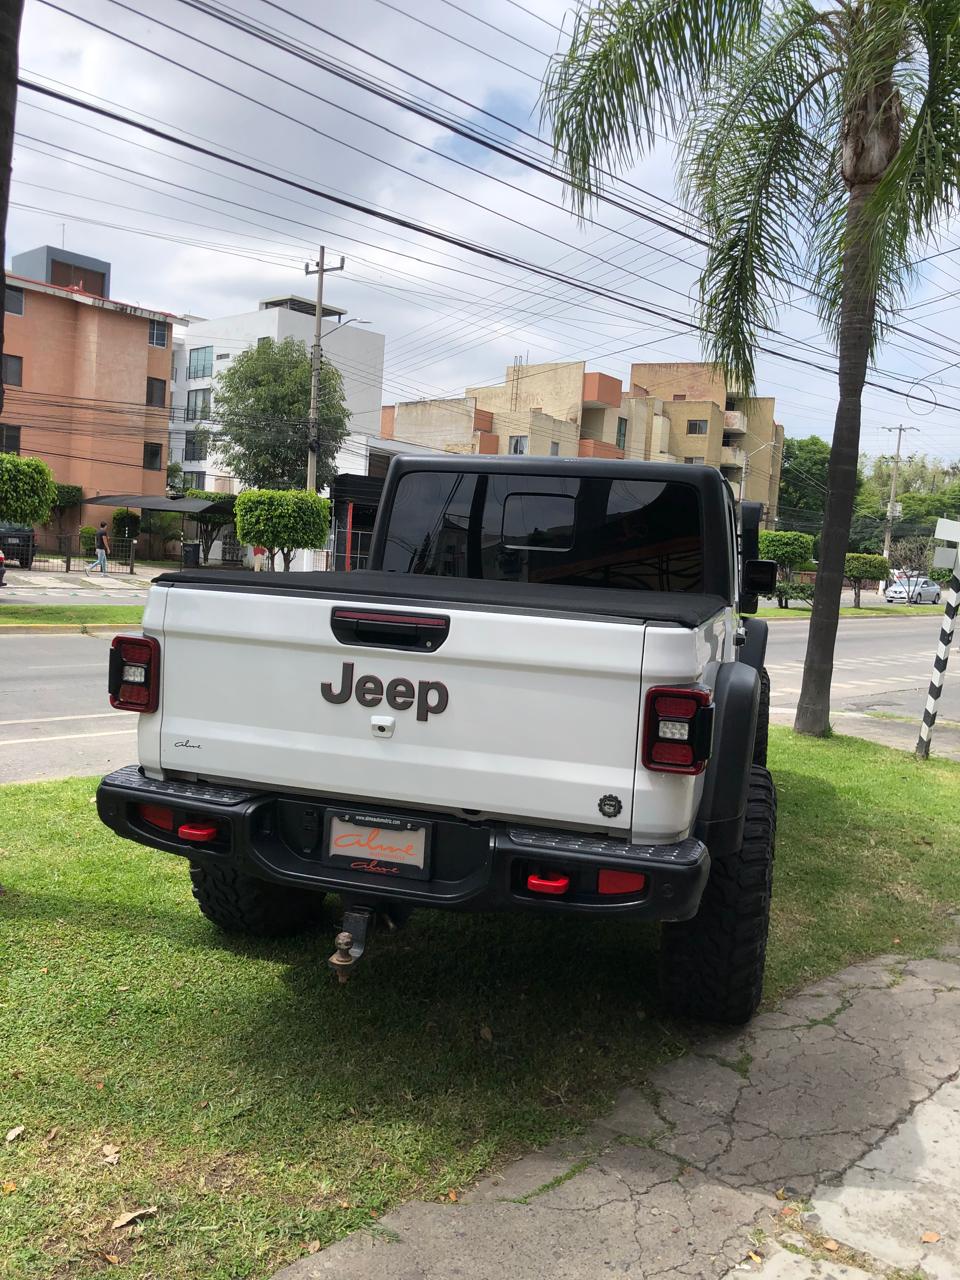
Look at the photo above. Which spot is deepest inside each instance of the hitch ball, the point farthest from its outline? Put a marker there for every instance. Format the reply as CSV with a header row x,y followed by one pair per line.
x,y
342,961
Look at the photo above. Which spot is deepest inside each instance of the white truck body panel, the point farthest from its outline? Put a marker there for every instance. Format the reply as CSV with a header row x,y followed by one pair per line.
x,y
543,717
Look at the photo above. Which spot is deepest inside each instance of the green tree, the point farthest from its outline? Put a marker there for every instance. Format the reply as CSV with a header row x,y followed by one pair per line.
x,y
125,523
790,550
211,524
858,569
803,479
175,477
27,490
282,521
68,495
820,143
263,409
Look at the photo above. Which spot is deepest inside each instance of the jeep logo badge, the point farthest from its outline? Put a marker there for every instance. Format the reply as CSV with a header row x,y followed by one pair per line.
x,y
430,696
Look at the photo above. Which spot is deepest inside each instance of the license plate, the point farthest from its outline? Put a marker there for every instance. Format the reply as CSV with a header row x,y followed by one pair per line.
x,y
378,844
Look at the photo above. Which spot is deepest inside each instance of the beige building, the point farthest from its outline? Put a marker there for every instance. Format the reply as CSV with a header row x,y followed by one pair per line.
x,y
671,413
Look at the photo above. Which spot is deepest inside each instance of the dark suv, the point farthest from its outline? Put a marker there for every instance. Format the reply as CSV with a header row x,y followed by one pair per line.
x,y
18,542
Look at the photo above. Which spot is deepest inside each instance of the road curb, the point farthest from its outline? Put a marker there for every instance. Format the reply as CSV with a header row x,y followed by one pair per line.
x,y
65,629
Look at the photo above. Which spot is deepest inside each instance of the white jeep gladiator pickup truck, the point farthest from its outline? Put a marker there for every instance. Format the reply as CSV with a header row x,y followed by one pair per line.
x,y
539,697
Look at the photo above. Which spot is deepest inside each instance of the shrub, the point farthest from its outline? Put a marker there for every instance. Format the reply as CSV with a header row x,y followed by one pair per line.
x,y
282,520
789,549
126,523
858,568
88,539
27,490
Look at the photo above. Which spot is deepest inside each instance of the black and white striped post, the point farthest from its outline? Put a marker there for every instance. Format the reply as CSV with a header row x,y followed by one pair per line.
x,y
945,558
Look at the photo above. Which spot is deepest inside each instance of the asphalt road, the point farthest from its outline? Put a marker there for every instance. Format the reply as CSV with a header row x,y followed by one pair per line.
x,y
55,720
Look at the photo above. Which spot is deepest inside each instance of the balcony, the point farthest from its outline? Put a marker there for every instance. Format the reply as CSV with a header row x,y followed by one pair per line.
x,y
732,458
734,420
598,449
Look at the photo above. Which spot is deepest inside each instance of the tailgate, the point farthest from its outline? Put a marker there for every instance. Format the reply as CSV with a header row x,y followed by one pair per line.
x,y
540,717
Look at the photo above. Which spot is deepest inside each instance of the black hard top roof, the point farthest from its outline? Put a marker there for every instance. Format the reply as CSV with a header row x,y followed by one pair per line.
x,y
706,479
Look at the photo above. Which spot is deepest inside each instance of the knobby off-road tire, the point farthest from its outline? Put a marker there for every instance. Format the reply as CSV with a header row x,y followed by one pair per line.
x,y
711,967
243,904
763,720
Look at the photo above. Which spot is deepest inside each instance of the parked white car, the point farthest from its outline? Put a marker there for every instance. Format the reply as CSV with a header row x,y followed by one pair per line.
x,y
913,591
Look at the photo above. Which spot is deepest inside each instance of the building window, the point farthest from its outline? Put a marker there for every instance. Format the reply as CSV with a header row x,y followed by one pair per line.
x,y
223,355
152,456
697,462
156,393
730,404
696,426
201,362
518,444
194,447
158,333
621,433
554,448
198,404
13,301
9,439
262,342
194,480
12,370
71,276
680,396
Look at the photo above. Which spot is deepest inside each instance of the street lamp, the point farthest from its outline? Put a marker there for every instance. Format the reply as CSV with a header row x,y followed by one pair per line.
x,y
342,324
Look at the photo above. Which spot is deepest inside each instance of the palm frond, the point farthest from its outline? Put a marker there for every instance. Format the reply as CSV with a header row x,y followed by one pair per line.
x,y
756,151
628,63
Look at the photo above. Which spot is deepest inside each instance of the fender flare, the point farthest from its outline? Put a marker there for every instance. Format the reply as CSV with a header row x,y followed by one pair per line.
x,y
753,651
723,801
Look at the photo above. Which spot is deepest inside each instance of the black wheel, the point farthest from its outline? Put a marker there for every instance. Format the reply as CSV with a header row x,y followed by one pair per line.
x,y
243,904
763,720
711,967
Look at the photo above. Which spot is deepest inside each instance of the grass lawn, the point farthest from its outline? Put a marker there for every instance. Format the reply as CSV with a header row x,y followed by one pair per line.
x,y
867,611
65,614
260,1106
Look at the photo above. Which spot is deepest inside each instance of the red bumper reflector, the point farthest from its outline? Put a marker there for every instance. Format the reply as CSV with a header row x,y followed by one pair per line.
x,y
197,834
554,884
157,815
621,882
677,753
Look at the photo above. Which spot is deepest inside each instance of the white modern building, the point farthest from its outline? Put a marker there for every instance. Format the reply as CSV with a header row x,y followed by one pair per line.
x,y
203,348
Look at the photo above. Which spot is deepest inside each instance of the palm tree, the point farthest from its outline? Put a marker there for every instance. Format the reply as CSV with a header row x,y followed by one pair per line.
x,y
819,145
11,12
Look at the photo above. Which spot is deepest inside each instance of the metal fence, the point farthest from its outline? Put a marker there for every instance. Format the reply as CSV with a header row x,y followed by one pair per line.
x,y
69,553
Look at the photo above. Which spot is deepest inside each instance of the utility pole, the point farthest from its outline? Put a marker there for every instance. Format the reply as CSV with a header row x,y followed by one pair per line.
x,y
892,504
319,270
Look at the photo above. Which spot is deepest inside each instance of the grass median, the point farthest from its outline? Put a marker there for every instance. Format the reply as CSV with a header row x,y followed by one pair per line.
x,y
865,611
260,1108
59,615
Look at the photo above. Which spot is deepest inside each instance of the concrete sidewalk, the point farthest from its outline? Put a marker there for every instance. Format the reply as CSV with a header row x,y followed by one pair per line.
x,y
30,580
822,1142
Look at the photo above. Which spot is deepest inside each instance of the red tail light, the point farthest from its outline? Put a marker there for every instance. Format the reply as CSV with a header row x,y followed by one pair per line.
x,y
158,815
678,730
134,680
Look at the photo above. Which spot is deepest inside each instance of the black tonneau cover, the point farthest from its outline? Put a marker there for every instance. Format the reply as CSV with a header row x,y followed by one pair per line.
x,y
686,609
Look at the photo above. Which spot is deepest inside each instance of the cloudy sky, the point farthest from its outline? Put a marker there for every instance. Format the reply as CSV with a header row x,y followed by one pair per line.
x,y
191,234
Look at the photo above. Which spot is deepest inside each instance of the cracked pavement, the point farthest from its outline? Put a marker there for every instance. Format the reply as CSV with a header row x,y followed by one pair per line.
x,y
820,1143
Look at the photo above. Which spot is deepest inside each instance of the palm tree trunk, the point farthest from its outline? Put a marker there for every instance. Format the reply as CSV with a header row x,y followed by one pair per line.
x,y
857,313
11,12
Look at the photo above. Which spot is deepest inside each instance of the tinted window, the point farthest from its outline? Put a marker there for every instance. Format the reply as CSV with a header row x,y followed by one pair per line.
x,y
600,532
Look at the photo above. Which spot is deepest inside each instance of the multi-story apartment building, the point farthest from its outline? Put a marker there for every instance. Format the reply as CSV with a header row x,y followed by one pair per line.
x,y
679,412
86,379
204,348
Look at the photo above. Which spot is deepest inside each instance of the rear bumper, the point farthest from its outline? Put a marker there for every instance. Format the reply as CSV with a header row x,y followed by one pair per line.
x,y
476,866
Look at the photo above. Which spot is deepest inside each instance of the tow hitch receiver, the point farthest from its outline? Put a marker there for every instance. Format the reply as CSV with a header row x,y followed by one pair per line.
x,y
351,941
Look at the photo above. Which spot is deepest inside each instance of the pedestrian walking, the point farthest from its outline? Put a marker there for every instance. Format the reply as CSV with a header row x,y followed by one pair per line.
x,y
102,543
258,556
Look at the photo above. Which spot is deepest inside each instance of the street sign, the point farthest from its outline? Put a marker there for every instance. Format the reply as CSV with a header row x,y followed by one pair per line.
x,y
948,530
944,557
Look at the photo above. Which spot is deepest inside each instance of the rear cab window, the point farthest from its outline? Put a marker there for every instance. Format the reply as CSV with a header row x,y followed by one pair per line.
x,y
594,531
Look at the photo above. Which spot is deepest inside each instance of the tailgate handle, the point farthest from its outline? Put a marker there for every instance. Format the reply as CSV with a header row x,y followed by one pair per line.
x,y
390,630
